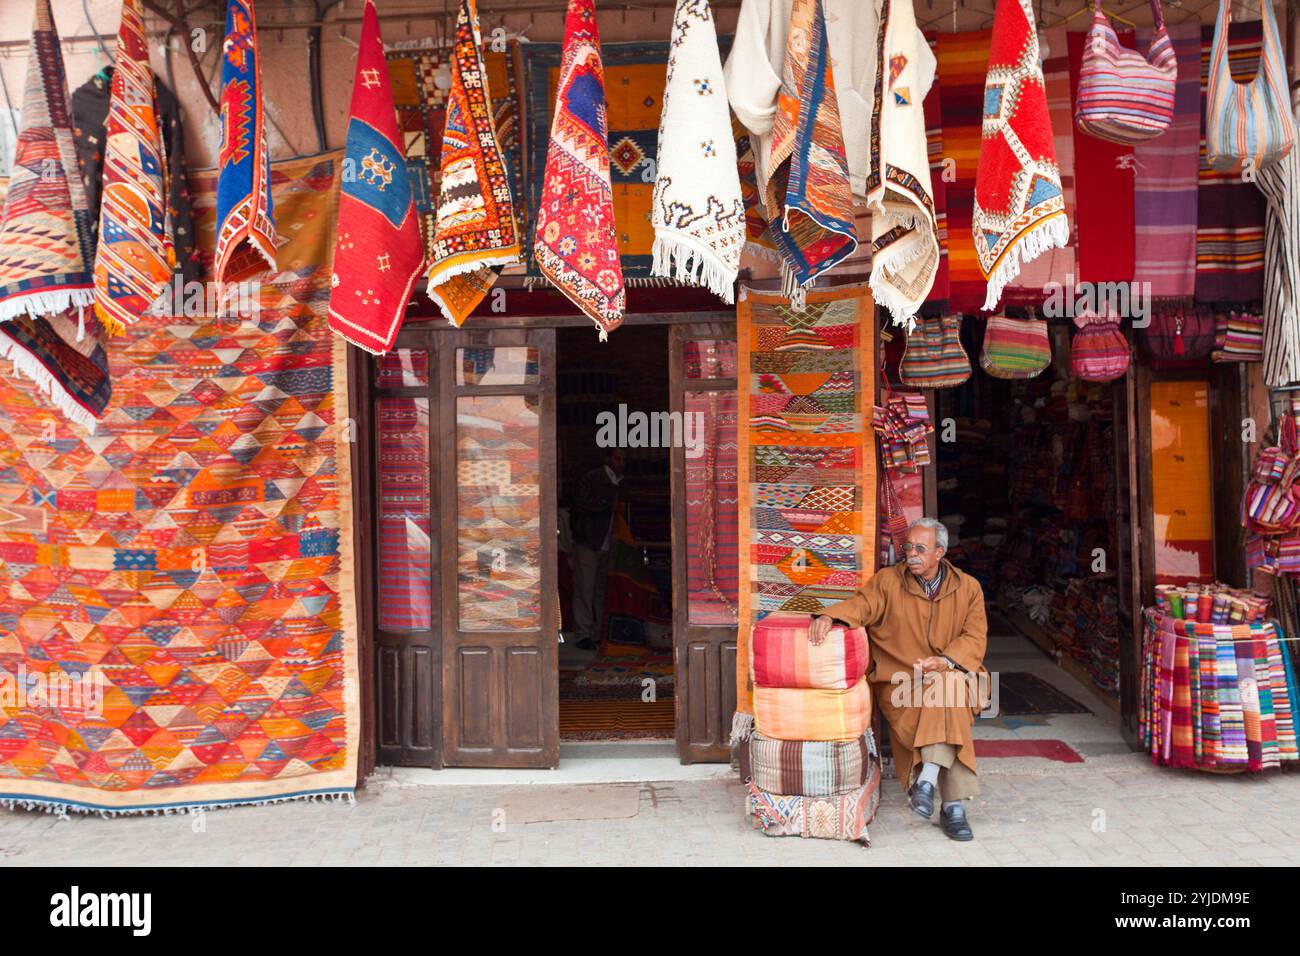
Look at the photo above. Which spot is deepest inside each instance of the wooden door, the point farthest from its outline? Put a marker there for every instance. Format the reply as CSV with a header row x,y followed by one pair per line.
x,y
500,705
400,503
706,570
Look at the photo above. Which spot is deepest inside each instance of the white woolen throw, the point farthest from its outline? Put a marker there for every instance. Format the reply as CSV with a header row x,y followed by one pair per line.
x,y
904,236
699,216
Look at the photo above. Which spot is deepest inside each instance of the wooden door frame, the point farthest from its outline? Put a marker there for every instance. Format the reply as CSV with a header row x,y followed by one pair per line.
x,y
689,638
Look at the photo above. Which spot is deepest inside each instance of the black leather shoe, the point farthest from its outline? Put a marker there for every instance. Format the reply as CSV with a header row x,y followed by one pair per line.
x,y
955,825
921,798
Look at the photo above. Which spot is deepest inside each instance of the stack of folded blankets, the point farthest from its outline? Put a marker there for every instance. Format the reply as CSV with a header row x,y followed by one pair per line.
x,y
811,765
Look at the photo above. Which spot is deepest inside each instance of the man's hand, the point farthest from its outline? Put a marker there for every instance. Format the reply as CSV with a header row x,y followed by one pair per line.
x,y
820,628
928,665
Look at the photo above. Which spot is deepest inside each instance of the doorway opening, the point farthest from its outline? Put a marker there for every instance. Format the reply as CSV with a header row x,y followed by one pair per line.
x,y
1028,488
615,568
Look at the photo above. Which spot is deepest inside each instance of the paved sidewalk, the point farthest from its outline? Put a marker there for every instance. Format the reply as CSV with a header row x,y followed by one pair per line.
x,y
1111,810
1114,808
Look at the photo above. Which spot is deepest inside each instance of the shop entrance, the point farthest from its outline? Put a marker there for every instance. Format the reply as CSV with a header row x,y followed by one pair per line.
x,y
479,440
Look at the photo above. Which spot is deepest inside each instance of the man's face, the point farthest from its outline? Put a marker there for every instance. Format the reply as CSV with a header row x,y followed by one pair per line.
x,y
615,461
922,552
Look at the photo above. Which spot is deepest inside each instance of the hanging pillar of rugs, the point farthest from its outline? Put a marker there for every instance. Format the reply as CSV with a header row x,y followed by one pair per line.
x,y
807,458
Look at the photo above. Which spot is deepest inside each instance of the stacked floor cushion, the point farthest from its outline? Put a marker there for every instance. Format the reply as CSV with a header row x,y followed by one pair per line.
x,y
811,765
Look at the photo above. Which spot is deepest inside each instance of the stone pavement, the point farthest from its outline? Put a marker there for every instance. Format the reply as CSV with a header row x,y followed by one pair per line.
x,y
1114,808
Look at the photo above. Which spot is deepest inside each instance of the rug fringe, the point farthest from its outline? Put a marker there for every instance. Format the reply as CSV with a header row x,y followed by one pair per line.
x,y
29,368
684,260
1051,234
61,808
51,302
742,728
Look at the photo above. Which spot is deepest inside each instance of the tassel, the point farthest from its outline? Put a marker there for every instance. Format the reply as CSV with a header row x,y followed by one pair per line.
x,y
81,322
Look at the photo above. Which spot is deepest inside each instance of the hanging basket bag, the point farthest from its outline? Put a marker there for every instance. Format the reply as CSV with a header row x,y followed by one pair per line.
x,y
1099,352
1015,348
1247,122
934,357
1123,96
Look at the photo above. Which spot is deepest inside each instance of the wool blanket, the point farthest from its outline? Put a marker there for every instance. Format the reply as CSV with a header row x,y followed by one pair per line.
x,y
963,64
784,657
189,597
45,234
475,229
575,242
698,214
904,228
807,768
1019,211
1164,192
805,187
843,816
246,235
1055,267
1280,185
135,257
1230,211
1104,179
378,254
90,114
806,457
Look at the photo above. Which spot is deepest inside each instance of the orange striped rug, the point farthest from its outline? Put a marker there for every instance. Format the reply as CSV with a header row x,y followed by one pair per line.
x,y
616,719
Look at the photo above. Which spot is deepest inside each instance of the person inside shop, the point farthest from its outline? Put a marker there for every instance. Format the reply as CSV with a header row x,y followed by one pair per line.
x,y
927,629
592,526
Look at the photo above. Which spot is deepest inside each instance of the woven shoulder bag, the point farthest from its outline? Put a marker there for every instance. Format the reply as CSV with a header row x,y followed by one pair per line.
x,y
1015,348
1123,96
1099,352
1247,122
934,356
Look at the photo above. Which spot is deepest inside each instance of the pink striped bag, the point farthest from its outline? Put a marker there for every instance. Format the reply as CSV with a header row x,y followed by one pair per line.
x,y
1123,96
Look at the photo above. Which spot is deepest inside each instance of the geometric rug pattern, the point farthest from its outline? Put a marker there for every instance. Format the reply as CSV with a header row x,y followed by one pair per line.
x,y
173,578
807,456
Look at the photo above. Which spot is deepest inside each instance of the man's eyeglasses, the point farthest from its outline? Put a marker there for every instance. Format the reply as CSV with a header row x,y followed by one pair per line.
x,y
909,548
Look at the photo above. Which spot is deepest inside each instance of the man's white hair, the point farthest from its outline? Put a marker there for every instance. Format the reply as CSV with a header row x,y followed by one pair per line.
x,y
940,530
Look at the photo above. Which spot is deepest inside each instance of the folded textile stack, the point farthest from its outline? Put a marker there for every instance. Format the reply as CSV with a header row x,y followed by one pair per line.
x,y
1086,618
1217,696
810,766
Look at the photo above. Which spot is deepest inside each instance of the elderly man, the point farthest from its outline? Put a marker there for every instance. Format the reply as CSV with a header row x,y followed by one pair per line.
x,y
925,620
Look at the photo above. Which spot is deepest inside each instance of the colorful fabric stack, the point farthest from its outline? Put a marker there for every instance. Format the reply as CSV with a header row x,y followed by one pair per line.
x,y
46,247
810,766
1216,696
475,231
378,254
904,428
1086,619
806,381
575,241
135,258
246,237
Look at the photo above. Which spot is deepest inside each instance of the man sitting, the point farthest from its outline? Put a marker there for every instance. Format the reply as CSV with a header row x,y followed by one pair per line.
x,y
926,624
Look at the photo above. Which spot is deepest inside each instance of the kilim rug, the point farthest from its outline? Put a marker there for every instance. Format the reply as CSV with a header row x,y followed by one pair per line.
x,y
422,116
1229,211
186,563
807,456
629,719
963,62
635,74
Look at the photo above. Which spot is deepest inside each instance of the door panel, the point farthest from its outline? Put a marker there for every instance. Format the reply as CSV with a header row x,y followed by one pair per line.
x,y
702,379
498,525
403,594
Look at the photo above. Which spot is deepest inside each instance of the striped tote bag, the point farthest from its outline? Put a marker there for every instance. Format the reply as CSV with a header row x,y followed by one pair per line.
x,y
1123,96
1015,348
1247,123
934,357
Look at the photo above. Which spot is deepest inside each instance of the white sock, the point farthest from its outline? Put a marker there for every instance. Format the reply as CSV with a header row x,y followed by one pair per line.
x,y
929,773
949,804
